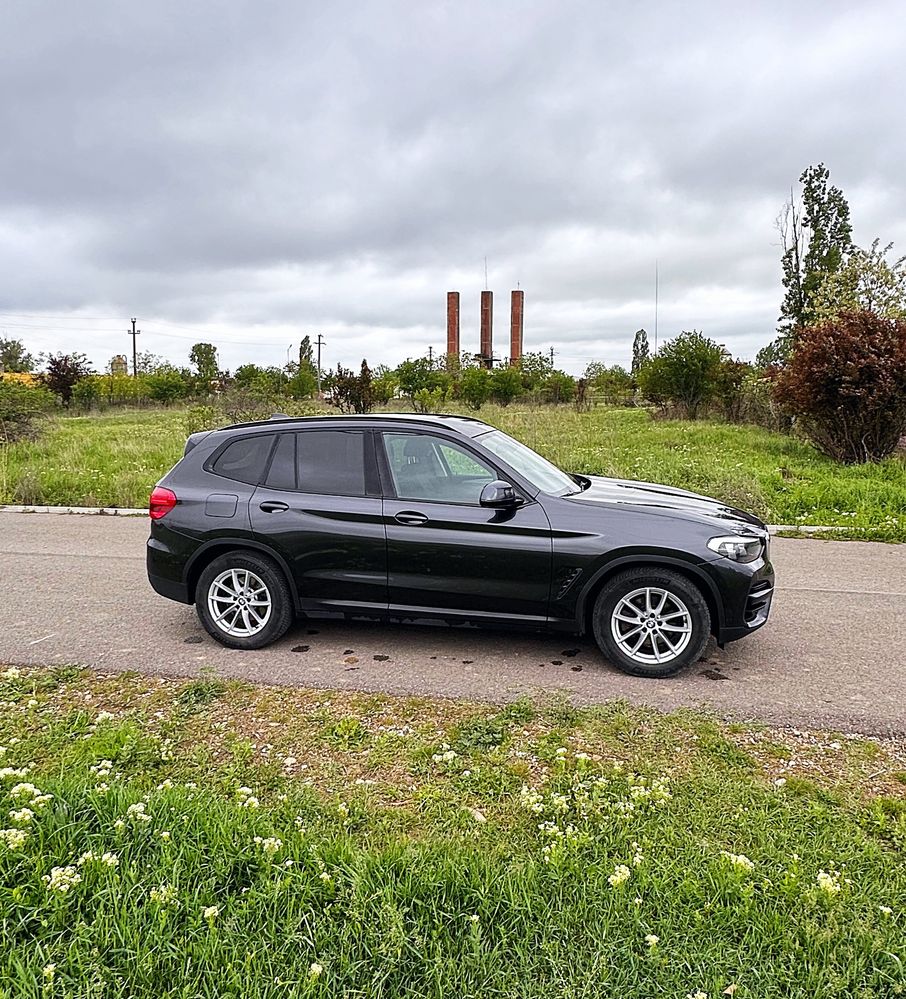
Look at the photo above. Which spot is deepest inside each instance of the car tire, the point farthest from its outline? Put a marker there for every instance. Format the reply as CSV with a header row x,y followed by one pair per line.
x,y
651,622
243,600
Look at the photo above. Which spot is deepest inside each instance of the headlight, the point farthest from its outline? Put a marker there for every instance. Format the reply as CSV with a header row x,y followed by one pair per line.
x,y
738,547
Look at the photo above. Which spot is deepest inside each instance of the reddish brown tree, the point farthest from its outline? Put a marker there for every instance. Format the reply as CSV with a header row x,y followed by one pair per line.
x,y
846,385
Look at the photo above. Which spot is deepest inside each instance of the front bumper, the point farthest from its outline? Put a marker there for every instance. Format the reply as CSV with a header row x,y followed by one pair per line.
x,y
747,591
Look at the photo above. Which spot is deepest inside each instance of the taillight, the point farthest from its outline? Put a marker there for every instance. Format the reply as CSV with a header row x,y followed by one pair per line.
x,y
161,503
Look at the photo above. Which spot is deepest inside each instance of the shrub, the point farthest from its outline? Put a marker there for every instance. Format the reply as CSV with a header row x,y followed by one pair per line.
x,y
167,385
21,406
729,394
683,373
558,387
475,387
353,393
846,385
506,385
63,371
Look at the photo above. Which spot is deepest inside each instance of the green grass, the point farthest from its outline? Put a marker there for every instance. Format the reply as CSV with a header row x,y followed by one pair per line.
x,y
114,459
416,848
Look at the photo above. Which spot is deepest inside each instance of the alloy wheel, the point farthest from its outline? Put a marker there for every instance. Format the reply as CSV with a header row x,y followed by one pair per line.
x,y
239,603
651,625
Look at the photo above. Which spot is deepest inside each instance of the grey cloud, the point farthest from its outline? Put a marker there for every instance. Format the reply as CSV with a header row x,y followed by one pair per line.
x,y
284,167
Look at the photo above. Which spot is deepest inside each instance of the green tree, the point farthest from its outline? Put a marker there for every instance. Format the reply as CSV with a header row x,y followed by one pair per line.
x,y
475,387
683,373
506,385
167,384
613,384
866,281
640,351
558,387
351,392
421,375
14,357
534,367
62,371
816,236
204,357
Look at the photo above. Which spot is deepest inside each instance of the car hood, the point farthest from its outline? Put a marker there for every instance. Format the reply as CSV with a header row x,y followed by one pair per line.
x,y
648,496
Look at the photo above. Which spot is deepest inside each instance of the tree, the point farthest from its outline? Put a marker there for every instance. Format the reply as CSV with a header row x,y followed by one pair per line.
x,y
475,387
640,352
149,362
21,406
506,385
167,384
683,373
62,371
421,375
816,236
204,357
846,385
613,384
14,357
351,392
534,368
559,387
866,281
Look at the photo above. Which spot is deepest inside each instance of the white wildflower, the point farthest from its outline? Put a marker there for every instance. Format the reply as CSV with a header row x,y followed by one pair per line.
x,y
829,881
13,772
164,895
85,858
138,812
324,876
62,879
164,834
110,859
250,802
269,844
211,912
315,970
104,716
14,839
738,860
22,816
620,876
12,673
652,940
49,971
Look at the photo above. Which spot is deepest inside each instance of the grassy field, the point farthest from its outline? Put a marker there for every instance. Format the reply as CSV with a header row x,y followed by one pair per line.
x,y
114,459
211,839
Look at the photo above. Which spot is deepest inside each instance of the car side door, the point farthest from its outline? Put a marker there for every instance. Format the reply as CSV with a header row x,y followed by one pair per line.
x,y
319,507
447,555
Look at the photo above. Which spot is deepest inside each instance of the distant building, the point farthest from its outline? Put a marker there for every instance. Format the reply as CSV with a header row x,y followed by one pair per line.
x,y
119,365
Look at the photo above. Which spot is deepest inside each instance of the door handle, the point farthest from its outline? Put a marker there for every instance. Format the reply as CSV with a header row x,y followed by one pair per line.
x,y
411,518
273,506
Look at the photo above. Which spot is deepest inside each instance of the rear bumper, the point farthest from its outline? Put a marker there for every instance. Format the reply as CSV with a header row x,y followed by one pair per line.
x,y
165,572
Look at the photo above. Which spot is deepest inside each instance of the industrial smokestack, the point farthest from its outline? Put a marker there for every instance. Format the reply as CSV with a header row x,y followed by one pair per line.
x,y
517,309
453,323
487,325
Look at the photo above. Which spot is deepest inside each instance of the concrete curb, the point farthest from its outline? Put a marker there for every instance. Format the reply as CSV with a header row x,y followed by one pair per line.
x,y
114,511
97,511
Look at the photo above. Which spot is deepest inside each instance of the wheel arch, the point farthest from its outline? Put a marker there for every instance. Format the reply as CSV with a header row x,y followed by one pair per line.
x,y
603,575
206,554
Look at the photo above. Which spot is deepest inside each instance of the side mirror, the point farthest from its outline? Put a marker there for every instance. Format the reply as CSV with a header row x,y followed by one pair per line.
x,y
498,494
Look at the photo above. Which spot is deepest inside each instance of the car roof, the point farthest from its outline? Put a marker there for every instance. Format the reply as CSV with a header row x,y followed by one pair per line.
x,y
466,425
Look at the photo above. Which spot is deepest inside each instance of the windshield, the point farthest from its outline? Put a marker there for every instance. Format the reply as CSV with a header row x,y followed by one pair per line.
x,y
539,471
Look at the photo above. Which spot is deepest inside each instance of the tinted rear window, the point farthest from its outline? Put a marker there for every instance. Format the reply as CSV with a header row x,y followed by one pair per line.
x,y
244,460
331,462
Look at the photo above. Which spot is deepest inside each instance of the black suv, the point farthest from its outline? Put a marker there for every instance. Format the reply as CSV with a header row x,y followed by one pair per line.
x,y
445,518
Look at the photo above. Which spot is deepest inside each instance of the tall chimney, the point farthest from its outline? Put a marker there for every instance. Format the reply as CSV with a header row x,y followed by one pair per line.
x,y
487,324
453,324
517,308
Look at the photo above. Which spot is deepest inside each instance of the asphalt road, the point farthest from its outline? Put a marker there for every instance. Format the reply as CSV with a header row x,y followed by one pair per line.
x,y
73,590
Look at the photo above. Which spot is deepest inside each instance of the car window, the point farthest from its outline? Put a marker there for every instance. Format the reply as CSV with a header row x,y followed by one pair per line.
x,y
432,468
244,460
282,473
331,462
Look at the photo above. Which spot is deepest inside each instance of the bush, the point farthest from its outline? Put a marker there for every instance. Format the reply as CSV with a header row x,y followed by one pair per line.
x,y
21,406
167,385
506,385
475,387
846,385
101,391
683,374
63,371
352,393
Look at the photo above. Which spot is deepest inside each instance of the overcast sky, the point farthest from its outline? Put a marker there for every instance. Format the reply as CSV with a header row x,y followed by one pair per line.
x,y
247,173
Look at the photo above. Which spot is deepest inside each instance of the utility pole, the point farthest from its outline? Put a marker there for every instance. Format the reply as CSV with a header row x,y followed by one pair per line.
x,y
430,356
318,344
552,356
134,333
